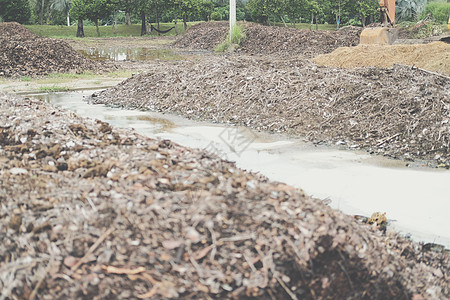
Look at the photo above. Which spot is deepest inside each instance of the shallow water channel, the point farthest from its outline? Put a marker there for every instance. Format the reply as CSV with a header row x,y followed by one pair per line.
x,y
416,200
133,54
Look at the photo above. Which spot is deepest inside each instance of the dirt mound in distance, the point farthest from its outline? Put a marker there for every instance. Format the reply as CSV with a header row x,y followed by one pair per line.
x,y
398,112
433,56
270,39
22,53
110,214
15,30
205,36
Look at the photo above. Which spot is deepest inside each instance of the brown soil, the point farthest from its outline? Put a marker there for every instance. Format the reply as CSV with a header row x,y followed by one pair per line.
x,y
399,112
433,56
24,54
270,39
89,211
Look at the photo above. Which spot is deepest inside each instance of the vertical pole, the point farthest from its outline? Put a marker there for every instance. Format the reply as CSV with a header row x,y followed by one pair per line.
x,y
232,15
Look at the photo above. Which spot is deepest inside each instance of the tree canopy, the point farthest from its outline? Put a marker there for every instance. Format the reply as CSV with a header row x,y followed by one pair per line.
x,y
339,12
15,11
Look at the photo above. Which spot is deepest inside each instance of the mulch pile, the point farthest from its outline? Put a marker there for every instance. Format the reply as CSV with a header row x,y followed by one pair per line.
x,y
89,211
399,112
270,39
22,53
433,56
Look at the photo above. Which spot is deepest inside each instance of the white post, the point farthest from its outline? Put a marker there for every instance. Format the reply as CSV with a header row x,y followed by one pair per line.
x,y
232,15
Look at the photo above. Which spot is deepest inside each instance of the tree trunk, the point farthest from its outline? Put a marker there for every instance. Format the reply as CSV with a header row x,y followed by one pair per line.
x,y
127,18
282,19
317,24
363,20
68,18
47,13
176,28
80,30
143,26
98,29
312,21
114,23
157,21
185,22
41,12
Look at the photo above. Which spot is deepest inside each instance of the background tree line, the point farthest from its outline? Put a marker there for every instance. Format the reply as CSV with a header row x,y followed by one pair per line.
x,y
110,12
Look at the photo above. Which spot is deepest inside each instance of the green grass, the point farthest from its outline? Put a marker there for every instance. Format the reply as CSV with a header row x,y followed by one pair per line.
x,y
60,31
55,78
52,89
235,37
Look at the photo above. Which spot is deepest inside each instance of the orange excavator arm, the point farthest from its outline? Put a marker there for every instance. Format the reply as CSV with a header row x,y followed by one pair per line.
x,y
387,8
382,35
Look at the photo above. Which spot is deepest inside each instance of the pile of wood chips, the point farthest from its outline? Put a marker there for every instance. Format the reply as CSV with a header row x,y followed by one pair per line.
x,y
22,53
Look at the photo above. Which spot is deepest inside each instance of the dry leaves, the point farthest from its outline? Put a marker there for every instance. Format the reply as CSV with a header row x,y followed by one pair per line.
x,y
128,235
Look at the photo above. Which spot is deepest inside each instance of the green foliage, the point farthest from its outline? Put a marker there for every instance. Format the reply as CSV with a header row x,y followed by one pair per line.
x,y
237,35
58,31
233,40
79,9
422,29
52,89
440,11
216,16
409,10
15,11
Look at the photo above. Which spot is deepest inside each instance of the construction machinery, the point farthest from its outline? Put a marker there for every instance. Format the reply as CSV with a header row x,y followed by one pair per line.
x,y
386,34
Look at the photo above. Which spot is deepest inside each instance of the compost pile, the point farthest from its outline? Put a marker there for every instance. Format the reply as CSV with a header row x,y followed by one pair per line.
x,y
205,36
89,211
269,40
433,56
399,112
22,53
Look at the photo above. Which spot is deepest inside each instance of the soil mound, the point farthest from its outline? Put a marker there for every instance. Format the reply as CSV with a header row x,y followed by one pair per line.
x,y
433,56
114,215
15,30
399,112
270,39
205,36
22,53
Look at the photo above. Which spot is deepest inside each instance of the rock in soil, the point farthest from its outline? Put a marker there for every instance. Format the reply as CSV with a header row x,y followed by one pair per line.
x,y
22,53
158,220
398,112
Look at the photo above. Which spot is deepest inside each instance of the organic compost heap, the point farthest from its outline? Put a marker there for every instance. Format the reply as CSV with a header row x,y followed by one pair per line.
x,y
399,112
23,53
434,56
89,211
270,39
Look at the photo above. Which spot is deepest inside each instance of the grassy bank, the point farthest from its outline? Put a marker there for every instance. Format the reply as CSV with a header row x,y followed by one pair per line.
x,y
60,31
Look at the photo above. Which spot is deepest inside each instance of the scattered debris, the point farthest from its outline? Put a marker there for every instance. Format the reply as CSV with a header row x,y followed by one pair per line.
x,y
400,112
153,228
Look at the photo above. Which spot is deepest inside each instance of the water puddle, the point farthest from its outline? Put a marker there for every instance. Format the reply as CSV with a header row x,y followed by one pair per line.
x,y
416,201
130,54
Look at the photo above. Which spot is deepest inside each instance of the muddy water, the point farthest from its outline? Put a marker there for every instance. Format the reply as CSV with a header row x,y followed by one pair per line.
x,y
416,200
133,54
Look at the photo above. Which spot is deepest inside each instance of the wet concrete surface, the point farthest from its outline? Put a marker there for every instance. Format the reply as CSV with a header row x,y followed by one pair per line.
x,y
416,200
